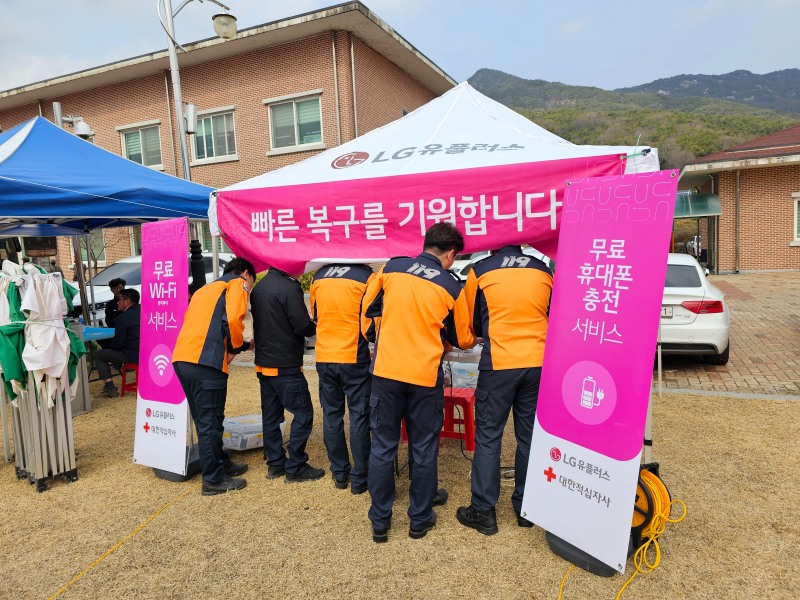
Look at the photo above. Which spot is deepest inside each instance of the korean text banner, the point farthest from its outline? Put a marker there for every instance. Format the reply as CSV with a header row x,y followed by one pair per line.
x,y
161,408
381,217
598,361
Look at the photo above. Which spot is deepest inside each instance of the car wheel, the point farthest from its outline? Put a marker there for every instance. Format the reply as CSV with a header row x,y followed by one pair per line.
x,y
719,359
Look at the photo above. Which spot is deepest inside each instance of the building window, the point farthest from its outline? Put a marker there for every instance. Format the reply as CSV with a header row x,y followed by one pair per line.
x,y
141,143
206,240
295,123
215,136
796,198
136,240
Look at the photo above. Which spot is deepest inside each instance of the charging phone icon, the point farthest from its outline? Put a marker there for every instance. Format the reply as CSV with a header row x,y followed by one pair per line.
x,y
587,392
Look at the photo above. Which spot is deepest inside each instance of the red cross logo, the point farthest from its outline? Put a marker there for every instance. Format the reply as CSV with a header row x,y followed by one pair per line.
x,y
147,428
549,474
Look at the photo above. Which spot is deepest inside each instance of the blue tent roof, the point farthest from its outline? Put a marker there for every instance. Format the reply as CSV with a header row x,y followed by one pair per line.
x,y
48,175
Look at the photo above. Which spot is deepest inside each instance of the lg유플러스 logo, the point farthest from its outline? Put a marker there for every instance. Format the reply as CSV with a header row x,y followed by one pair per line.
x,y
351,159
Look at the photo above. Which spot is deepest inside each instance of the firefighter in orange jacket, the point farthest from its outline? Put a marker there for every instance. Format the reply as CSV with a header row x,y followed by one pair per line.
x,y
508,295
212,333
422,307
343,368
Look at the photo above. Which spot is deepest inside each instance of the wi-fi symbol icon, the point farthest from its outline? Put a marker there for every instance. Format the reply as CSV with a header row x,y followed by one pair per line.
x,y
161,363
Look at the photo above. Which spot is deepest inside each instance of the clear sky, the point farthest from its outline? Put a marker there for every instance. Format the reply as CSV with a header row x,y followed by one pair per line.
x,y
603,43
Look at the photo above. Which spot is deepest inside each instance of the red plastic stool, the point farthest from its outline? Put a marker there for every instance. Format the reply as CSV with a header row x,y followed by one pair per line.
x,y
465,399
129,386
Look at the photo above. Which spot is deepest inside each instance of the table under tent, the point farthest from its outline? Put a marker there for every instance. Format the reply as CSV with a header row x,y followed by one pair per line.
x,y
53,183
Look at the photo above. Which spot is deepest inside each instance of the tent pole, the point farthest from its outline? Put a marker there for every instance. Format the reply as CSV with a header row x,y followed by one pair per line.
x,y
88,240
5,423
214,257
76,249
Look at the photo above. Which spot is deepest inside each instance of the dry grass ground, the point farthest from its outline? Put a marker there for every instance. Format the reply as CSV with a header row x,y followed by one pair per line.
x,y
731,460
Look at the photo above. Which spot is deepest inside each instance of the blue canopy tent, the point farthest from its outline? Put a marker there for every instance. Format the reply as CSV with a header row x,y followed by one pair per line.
x,y
65,185
48,175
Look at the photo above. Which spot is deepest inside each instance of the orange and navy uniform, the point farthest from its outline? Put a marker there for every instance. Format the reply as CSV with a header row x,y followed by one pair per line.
x,y
508,295
214,323
422,307
335,296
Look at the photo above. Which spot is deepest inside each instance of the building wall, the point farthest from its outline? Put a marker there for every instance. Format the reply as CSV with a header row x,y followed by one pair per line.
x,y
765,219
383,90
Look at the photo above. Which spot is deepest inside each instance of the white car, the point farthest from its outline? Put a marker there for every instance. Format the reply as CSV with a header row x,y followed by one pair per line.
x,y
130,269
464,262
694,315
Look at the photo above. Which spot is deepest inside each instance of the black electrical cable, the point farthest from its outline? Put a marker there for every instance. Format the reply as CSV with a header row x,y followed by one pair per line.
x,y
461,432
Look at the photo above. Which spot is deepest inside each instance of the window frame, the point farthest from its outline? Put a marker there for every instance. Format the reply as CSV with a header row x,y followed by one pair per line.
x,y
796,221
294,99
203,231
208,114
130,128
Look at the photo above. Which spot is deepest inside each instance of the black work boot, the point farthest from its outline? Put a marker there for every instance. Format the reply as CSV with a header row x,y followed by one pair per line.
x,y
440,499
275,472
110,390
417,534
381,536
233,469
485,523
523,522
228,484
305,473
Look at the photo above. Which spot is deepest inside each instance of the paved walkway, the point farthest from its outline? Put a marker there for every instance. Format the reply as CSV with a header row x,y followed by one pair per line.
x,y
765,340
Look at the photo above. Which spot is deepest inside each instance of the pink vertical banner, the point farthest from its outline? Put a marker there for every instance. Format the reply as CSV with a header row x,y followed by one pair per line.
x,y
612,262
598,361
165,296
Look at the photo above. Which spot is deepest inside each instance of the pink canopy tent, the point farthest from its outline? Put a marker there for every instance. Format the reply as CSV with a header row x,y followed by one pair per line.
x,y
462,158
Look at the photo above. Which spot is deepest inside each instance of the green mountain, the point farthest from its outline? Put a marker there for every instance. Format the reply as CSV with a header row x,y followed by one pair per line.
x,y
680,127
779,90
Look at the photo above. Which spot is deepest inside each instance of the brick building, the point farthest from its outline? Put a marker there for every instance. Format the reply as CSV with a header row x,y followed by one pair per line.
x,y
758,184
276,94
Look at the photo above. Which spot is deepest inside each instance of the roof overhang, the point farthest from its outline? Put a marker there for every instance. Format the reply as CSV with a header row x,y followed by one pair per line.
x,y
712,168
353,17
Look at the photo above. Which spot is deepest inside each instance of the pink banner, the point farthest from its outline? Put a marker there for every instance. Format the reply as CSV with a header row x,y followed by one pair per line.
x,y
287,227
604,319
165,296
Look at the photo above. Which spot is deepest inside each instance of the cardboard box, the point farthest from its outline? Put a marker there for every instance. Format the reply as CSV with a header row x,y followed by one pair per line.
x,y
244,433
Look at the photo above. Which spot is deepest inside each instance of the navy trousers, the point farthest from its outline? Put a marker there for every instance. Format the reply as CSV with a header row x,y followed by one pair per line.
x,y
497,393
206,389
422,408
352,382
281,393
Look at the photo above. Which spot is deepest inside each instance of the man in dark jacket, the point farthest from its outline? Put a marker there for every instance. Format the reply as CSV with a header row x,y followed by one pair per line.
x,y
112,306
124,347
280,324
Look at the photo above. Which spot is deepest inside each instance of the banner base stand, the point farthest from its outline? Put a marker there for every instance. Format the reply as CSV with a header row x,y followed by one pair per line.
x,y
192,469
578,557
